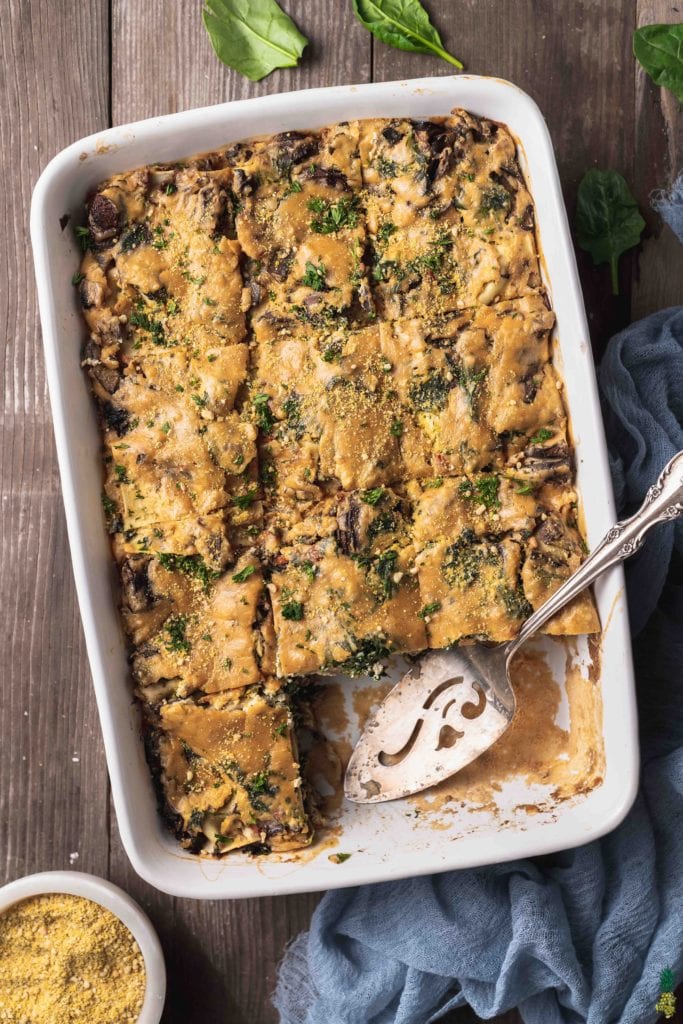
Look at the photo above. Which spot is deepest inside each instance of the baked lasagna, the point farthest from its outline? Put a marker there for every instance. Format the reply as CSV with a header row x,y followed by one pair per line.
x,y
332,430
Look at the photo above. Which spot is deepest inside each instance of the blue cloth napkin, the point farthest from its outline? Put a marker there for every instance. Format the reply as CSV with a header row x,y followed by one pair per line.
x,y
581,936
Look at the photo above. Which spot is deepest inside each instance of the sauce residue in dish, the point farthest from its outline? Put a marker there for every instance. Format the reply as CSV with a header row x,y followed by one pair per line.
x,y
555,741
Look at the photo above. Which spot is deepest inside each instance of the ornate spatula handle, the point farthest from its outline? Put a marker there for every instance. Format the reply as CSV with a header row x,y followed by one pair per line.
x,y
663,503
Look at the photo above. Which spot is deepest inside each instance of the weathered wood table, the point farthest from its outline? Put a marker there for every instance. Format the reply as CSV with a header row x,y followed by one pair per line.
x,y
70,69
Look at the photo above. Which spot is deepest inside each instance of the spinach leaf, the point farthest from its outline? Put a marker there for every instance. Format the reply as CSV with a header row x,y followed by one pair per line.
x,y
253,36
659,48
608,221
404,24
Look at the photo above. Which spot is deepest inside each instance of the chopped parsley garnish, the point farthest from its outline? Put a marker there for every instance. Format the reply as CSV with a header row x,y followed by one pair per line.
x,y
308,569
83,236
243,575
263,415
436,481
245,500
175,627
373,496
397,428
221,840
386,168
385,231
77,278
366,657
147,323
483,491
339,858
494,199
382,523
332,351
160,241
292,410
121,474
293,611
543,435
332,217
429,609
111,514
314,277
108,505
258,787
189,565
196,819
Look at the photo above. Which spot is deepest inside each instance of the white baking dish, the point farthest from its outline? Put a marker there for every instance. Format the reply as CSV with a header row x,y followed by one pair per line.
x,y
387,841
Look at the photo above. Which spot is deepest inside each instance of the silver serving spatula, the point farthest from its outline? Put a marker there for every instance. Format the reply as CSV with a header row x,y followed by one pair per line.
x,y
453,705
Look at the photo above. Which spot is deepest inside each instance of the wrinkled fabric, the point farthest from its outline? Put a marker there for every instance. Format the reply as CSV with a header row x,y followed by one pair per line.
x,y
641,385
581,936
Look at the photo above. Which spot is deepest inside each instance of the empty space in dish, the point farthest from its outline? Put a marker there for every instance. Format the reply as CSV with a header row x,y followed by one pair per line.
x,y
541,812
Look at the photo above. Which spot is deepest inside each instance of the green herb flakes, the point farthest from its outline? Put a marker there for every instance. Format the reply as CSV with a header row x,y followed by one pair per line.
x,y
243,575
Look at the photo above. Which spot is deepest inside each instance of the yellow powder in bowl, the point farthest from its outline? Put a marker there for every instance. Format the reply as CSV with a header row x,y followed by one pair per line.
x,y
67,960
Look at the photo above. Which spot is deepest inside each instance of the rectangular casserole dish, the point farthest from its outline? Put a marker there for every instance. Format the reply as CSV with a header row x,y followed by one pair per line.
x,y
390,840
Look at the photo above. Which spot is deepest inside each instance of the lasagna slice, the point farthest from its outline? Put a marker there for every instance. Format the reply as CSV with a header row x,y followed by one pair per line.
x,y
343,586
449,217
229,773
472,383
301,225
194,629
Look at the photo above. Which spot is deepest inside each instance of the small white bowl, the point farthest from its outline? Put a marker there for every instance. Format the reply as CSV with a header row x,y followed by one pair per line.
x,y
76,883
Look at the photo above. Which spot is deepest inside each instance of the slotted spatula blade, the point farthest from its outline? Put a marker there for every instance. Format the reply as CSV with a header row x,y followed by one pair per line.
x,y
455,704
419,734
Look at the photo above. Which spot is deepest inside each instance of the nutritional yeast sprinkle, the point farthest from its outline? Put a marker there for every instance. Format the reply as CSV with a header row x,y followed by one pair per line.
x,y
67,960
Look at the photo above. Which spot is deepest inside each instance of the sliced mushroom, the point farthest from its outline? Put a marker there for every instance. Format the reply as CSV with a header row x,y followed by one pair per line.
x,y
331,176
90,293
107,377
293,148
103,218
136,587
542,463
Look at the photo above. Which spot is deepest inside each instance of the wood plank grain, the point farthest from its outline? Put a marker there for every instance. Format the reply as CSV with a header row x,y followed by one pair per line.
x,y
221,957
575,60
183,72
54,793
658,276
